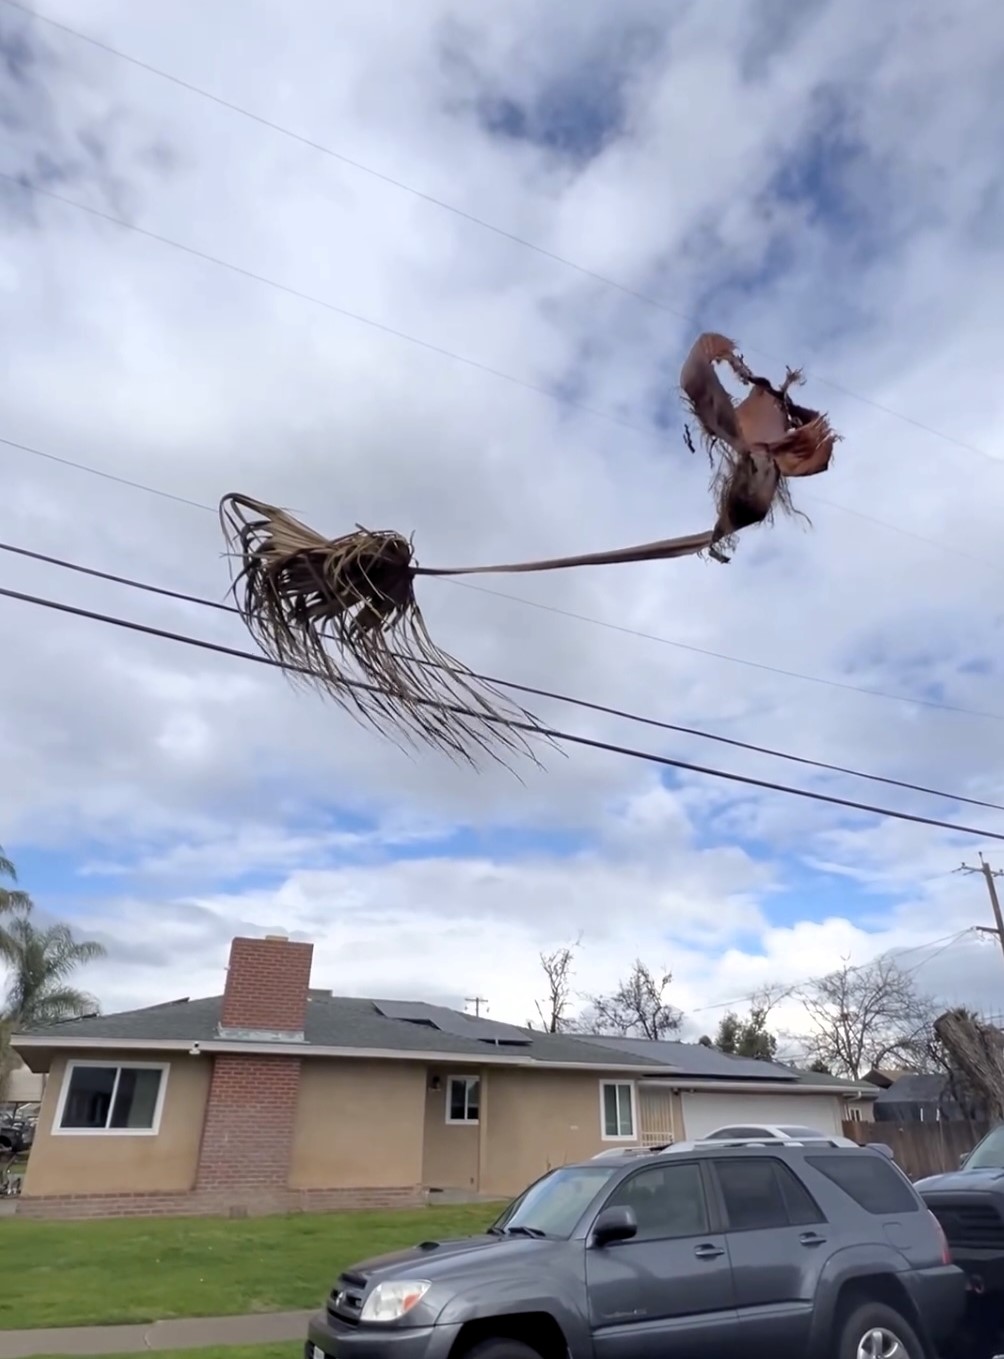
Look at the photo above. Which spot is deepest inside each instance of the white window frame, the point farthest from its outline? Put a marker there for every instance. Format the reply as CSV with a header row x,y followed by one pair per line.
x,y
57,1123
467,1082
632,1136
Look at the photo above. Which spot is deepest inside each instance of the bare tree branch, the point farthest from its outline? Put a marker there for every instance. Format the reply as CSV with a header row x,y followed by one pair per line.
x,y
552,1012
863,1016
637,1008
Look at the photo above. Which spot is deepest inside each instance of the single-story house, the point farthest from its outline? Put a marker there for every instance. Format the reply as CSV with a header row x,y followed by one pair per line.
x,y
280,1097
919,1097
20,1085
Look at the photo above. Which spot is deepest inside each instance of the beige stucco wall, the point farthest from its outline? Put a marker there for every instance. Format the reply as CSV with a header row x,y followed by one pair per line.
x,y
538,1119
95,1163
450,1159
358,1124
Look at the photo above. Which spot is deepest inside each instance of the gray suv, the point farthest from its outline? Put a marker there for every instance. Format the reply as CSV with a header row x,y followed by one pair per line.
x,y
710,1250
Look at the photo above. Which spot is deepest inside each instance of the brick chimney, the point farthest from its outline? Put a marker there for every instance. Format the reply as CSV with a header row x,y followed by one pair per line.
x,y
265,997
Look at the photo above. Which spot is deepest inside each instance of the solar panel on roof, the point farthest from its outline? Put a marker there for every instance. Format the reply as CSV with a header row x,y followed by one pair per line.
x,y
452,1022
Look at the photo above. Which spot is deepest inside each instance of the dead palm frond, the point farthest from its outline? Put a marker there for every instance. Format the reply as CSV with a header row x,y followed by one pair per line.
x,y
342,612
753,446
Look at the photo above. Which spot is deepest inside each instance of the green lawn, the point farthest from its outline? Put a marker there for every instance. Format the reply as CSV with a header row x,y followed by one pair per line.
x,y
289,1349
150,1269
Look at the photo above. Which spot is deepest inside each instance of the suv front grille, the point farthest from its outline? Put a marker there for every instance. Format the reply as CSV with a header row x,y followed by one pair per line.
x,y
970,1224
346,1299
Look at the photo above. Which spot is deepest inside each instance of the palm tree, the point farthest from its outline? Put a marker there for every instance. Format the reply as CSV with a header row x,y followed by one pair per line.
x,y
10,898
40,961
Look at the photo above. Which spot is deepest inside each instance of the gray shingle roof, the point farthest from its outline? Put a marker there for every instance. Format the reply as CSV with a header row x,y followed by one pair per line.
x,y
346,1022
354,1022
704,1063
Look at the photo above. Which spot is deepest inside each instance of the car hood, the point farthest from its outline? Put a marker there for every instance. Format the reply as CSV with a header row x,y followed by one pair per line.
x,y
434,1258
991,1178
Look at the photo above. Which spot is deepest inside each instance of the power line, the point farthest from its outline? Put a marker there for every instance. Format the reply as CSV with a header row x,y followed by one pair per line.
x,y
724,655
496,682
530,728
300,295
556,609
467,216
537,388
947,940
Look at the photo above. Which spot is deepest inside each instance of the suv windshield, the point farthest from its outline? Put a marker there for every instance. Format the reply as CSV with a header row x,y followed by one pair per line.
x,y
988,1154
553,1205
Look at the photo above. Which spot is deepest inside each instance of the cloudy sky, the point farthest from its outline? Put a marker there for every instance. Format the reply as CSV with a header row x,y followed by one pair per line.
x,y
823,182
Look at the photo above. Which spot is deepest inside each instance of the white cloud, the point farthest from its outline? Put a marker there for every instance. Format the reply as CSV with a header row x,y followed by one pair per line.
x,y
718,188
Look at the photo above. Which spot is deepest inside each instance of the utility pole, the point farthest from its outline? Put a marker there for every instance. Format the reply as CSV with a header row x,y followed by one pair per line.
x,y
477,1002
989,874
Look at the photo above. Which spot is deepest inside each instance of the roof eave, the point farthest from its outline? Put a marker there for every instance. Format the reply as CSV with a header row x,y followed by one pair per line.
x,y
29,1042
678,1082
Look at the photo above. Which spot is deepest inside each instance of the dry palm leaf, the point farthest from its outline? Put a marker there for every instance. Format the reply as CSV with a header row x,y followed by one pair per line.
x,y
343,611
754,446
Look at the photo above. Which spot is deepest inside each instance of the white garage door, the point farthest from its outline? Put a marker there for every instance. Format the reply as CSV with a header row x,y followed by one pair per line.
x,y
704,1111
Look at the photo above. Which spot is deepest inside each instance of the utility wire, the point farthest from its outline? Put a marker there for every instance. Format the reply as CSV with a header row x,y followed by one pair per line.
x,y
530,728
538,388
470,217
946,940
556,609
131,583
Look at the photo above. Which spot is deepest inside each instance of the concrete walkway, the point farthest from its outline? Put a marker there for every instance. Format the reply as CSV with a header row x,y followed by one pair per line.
x,y
187,1333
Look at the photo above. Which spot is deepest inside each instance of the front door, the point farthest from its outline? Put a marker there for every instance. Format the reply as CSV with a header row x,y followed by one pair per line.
x,y
667,1292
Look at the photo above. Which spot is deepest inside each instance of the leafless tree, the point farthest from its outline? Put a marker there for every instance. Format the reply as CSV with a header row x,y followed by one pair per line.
x,y
636,1009
863,1016
552,1011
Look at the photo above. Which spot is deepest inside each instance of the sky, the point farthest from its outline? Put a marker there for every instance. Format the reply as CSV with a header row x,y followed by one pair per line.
x,y
321,337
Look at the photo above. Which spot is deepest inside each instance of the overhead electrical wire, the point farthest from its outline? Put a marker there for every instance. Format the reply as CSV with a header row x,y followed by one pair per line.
x,y
551,733
595,275
894,954
393,331
554,608
180,596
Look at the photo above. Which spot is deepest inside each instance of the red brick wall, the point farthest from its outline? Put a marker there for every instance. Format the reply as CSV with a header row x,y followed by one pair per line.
x,y
247,1136
218,1204
266,988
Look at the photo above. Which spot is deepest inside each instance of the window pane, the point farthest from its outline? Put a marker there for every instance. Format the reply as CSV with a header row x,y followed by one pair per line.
x,y
870,1181
136,1098
989,1154
89,1097
458,1100
802,1207
625,1123
610,1120
473,1099
752,1194
465,1098
667,1201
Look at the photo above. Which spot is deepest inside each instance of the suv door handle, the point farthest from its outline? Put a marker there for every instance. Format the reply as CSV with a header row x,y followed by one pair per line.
x,y
812,1239
708,1252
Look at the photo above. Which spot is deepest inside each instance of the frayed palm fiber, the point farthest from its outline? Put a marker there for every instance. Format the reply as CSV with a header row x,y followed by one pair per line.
x,y
297,591
342,612
753,446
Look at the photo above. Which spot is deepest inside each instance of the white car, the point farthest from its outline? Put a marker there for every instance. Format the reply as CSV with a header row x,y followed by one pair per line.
x,y
774,1132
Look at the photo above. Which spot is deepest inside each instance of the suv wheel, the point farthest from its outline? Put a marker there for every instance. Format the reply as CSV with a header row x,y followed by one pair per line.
x,y
502,1348
874,1331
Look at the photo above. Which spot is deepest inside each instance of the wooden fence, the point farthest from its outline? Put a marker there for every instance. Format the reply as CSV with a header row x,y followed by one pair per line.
x,y
922,1148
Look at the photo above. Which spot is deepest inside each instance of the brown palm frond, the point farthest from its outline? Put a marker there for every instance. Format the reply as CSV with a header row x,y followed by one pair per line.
x,y
341,613
753,446
299,593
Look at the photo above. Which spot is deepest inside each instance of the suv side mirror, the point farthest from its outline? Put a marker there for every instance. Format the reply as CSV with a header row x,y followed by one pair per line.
x,y
964,1158
614,1224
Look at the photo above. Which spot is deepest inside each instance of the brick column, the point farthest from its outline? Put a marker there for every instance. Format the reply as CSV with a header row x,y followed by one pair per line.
x,y
247,1134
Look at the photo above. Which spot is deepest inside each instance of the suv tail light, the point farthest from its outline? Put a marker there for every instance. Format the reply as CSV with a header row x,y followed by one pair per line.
x,y
946,1254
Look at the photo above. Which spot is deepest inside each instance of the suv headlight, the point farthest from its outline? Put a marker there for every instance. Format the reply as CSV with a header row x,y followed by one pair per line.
x,y
391,1300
